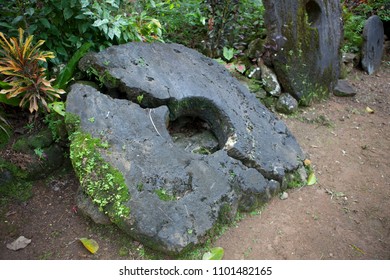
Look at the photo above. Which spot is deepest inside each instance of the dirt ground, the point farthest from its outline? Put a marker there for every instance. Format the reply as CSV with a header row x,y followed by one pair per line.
x,y
345,215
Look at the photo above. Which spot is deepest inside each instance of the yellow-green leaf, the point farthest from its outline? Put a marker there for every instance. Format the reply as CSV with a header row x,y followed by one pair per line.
x,y
214,254
312,179
90,244
369,110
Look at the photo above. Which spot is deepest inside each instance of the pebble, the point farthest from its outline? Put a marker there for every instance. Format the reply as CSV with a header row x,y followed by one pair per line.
x,y
284,196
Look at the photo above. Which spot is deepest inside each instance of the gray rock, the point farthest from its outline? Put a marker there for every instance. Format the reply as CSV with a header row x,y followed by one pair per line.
x,y
20,243
283,196
255,151
349,58
43,155
344,89
270,81
372,49
286,104
304,39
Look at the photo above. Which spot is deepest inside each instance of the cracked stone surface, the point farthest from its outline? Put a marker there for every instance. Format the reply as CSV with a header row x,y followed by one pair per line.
x,y
255,156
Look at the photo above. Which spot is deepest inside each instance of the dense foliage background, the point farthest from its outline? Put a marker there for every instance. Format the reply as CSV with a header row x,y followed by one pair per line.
x,y
218,28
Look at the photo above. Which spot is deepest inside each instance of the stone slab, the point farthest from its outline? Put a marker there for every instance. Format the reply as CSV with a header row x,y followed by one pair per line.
x,y
256,154
372,48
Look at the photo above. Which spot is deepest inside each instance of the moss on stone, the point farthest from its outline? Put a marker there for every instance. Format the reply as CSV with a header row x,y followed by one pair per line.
x,y
298,77
101,181
13,181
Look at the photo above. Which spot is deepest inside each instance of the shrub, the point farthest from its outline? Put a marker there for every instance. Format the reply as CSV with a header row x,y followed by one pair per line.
x,y
233,23
355,13
21,64
66,25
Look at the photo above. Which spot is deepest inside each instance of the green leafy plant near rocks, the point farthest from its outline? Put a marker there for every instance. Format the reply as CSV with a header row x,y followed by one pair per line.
x,y
66,25
16,187
355,13
21,64
103,183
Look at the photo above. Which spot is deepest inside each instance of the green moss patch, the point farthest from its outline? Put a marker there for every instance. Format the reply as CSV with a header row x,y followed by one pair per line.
x,y
13,182
101,181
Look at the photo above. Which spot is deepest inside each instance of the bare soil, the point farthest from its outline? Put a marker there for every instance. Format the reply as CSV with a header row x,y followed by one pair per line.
x,y
345,215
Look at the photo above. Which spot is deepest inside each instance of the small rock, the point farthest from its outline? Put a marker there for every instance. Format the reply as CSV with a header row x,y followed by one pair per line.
x,y
348,57
20,243
286,104
344,89
270,81
284,196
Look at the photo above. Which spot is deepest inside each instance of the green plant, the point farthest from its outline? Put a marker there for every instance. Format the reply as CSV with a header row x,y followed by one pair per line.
x,y
355,14
102,182
21,64
56,123
118,21
67,25
233,23
164,195
67,73
183,22
40,153
19,188
140,98
4,126
353,27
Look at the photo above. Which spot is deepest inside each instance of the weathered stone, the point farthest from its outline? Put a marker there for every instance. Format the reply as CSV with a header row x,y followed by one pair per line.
x,y
177,196
305,37
42,155
286,104
270,81
372,49
349,61
344,89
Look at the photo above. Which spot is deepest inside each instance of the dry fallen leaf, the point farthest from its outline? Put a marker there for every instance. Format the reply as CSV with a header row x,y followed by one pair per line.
x,y
90,244
369,110
20,243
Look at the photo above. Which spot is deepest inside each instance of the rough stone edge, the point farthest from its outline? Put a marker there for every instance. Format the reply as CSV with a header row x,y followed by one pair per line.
x,y
73,126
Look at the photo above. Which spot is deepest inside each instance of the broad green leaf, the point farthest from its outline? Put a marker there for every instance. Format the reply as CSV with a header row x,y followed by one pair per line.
x,y
228,53
67,73
30,11
9,101
45,22
84,3
90,244
68,13
17,20
3,97
312,179
100,22
58,107
5,85
214,254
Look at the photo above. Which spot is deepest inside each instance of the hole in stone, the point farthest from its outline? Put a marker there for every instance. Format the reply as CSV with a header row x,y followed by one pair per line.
x,y
313,11
197,125
193,134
